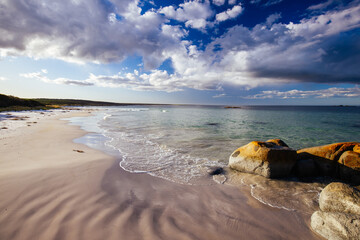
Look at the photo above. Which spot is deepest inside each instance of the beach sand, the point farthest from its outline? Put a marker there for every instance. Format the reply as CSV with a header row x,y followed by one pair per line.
x,y
50,191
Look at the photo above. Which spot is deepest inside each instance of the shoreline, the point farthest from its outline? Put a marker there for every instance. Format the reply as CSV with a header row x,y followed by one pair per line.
x,y
50,191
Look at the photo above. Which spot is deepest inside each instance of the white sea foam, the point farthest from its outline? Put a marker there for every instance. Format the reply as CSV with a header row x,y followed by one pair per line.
x,y
266,202
183,145
141,155
127,109
106,116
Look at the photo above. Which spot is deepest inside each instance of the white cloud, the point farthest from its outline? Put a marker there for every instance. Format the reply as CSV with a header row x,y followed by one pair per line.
x,y
3,78
323,93
156,80
319,48
41,77
324,5
232,2
327,24
193,13
219,95
83,31
272,18
229,14
219,2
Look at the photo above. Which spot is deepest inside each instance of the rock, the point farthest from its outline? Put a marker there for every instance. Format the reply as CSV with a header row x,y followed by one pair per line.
x,y
306,168
268,159
331,151
336,226
357,148
340,197
349,168
326,157
278,142
350,159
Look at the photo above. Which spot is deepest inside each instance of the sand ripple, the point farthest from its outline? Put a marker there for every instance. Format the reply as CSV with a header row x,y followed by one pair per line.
x,y
68,204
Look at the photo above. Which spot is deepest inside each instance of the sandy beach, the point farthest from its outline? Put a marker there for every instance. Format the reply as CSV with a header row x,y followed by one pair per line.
x,y
53,188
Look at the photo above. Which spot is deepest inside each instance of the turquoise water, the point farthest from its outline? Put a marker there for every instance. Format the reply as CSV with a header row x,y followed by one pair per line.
x,y
181,144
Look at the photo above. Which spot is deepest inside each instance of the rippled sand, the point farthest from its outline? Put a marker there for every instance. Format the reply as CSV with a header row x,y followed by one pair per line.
x,y
50,191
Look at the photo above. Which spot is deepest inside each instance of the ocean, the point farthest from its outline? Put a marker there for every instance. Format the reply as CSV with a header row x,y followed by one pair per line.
x,y
182,143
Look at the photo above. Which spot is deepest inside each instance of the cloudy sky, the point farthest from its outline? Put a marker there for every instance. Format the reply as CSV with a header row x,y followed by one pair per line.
x,y
204,52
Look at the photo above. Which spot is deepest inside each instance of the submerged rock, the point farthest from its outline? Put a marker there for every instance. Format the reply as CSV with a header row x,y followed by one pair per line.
x,y
215,171
336,226
270,159
340,197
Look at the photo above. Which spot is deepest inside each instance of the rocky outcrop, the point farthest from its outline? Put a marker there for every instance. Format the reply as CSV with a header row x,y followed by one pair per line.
x,y
278,142
270,159
336,226
274,158
330,152
306,168
340,197
349,166
339,215
340,160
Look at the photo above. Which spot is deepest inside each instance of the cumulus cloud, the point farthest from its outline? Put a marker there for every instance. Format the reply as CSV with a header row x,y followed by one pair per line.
x,y
218,2
156,80
229,14
83,31
232,2
193,13
321,48
323,93
272,18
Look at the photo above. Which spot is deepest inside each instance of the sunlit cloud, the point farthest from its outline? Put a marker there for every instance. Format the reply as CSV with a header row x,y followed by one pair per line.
x,y
230,13
320,48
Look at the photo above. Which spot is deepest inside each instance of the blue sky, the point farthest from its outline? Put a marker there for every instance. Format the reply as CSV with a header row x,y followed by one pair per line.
x,y
201,52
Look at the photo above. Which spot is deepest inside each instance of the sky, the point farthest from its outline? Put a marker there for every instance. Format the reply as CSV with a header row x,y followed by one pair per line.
x,y
222,52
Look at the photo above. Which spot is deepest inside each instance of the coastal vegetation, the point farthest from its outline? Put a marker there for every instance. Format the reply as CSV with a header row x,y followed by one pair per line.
x,y
11,103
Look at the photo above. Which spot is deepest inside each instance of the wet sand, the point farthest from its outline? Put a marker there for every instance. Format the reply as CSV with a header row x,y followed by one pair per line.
x,y
50,191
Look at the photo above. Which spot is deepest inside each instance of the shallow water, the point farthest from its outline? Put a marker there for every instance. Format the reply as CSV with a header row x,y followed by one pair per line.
x,y
181,144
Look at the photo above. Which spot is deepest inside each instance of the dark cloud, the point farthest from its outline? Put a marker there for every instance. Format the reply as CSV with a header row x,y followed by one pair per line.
x,y
322,93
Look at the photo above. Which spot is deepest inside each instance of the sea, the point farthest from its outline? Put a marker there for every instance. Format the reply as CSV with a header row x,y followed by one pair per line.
x,y
183,144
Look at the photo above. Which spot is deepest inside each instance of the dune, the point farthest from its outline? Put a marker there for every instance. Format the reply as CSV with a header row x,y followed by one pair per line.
x,y
53,188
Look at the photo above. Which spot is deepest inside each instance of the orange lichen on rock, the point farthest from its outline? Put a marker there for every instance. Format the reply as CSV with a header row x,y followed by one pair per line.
x,y
278,142
350,159
336,160
268,159
357,148
331,151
